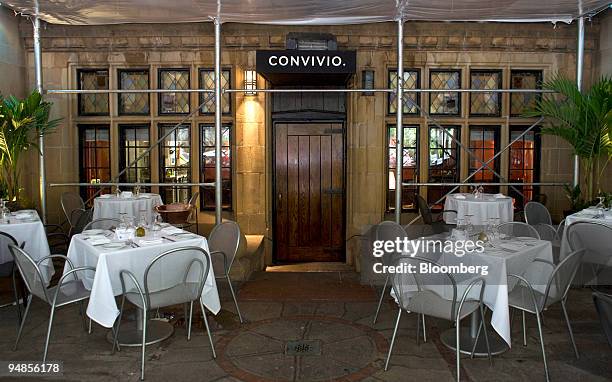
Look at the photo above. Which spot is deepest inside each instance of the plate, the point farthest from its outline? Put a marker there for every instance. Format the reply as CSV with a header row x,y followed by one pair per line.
x,y
92,232
115,245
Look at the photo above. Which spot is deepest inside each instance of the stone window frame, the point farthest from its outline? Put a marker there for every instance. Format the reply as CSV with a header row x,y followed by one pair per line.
x,y
121,128
230,203
418,72
223,95
537,155
80,112
120,96
81,131
160,95
496,129
500,73
165,191
390,194
459,112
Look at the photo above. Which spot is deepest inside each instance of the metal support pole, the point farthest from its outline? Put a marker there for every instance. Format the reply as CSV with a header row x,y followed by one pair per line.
x,y
399,131
218,193
579,71
42,180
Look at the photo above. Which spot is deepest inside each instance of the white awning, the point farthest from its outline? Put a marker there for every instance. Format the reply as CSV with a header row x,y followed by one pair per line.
x,y
301,12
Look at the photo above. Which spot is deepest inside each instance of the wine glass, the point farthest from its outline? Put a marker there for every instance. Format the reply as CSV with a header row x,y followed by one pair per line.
x,y
600,207
469,228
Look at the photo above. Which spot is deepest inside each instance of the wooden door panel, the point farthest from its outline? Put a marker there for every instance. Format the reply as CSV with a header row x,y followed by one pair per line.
x,y
309,188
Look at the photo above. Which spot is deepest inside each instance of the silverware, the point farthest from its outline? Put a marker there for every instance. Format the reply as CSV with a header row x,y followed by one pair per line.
x,y
167,238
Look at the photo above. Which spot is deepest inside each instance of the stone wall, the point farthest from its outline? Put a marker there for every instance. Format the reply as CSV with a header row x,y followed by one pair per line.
x,y
12,55
427,45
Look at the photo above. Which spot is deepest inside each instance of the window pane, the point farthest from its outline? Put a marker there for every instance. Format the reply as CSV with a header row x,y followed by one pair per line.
x,y
444,103
411,81
524,79
524,166
134,141
409,166
443,161
484,143
93,104
94,157
175,162
174,103
134,103
207,166
485,103
207,81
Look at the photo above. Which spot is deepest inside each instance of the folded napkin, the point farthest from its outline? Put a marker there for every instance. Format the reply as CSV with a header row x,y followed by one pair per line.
x,y
23,215
171,230
499,196
145,242
459,196
98,240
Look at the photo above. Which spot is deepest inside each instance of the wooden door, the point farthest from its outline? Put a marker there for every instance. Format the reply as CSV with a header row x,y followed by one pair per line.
x,y
309,192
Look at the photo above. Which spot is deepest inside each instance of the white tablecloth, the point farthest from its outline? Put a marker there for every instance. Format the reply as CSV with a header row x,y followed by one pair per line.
x,y
112,206
482,209
515,259
106,284
32,232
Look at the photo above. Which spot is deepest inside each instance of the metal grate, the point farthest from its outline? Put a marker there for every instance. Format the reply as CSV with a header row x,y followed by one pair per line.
x,y
303,347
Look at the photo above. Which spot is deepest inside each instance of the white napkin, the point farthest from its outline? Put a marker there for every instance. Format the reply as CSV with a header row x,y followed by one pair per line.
x,y
145,242
105,196
499,196
126,194
23,214
98,240
171,230
459,196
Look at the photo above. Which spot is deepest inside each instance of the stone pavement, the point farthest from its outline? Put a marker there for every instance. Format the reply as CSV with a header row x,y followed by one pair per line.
x,y
340,343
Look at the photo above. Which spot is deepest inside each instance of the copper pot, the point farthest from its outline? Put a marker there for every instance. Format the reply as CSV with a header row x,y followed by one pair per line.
x,y
175,213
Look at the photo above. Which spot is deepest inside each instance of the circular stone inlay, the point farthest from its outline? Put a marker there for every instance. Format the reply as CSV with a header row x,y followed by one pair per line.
x,y
256,352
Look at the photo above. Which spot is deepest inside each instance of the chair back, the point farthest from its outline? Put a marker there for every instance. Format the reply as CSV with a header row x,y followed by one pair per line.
x,y
594,238
405,284
81,218
71,201
518,229
424,209
225,237
390,231
561,277
537,213
5,254
30,272
546,232
175,267
561,229
103,223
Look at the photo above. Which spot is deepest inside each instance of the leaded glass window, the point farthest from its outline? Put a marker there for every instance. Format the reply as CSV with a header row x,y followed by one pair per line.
x,y
207,100
93,79
447,103
524,166
133,103
443,161
485,104
524,79
410,166
94,157
484,143
412,80
172,102
175,163
133,142
207,166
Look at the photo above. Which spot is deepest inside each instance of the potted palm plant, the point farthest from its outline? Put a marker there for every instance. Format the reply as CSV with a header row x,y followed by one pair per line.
x,y
584,120
22,122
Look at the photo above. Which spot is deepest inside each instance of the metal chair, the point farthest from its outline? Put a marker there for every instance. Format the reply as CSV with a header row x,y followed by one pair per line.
x,y
546,232
388,231
103,223
71,201
180,286
527,299
224,240
561,229
8,269
594,238
438,225
537,213
420,293
80,218
64,293
518,229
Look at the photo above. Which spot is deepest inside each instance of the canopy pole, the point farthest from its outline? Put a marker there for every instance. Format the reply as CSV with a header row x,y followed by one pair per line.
x,y
399,131
42,180
218,193
579,71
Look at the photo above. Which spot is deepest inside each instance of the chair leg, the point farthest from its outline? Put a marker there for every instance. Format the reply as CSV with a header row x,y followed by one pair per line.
x,y
189,323
144,344
23,321
486,334
83,313
116,339
212,345
458,349
380,300
524,329
16,296
418,336
48,333
424,329
569,329
542,344
397,321
229,281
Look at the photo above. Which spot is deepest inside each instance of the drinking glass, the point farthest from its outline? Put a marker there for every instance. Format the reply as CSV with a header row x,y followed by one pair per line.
x,y
469,228
600,207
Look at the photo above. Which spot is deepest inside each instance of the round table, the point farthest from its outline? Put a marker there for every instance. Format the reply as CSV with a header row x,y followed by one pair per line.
x,y
483,208
111,206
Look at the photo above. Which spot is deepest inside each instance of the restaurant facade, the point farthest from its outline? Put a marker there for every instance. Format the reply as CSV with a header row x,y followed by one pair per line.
x,y
310,171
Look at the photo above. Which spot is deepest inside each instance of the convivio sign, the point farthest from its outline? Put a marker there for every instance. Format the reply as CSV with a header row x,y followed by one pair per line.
x,y
306,61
